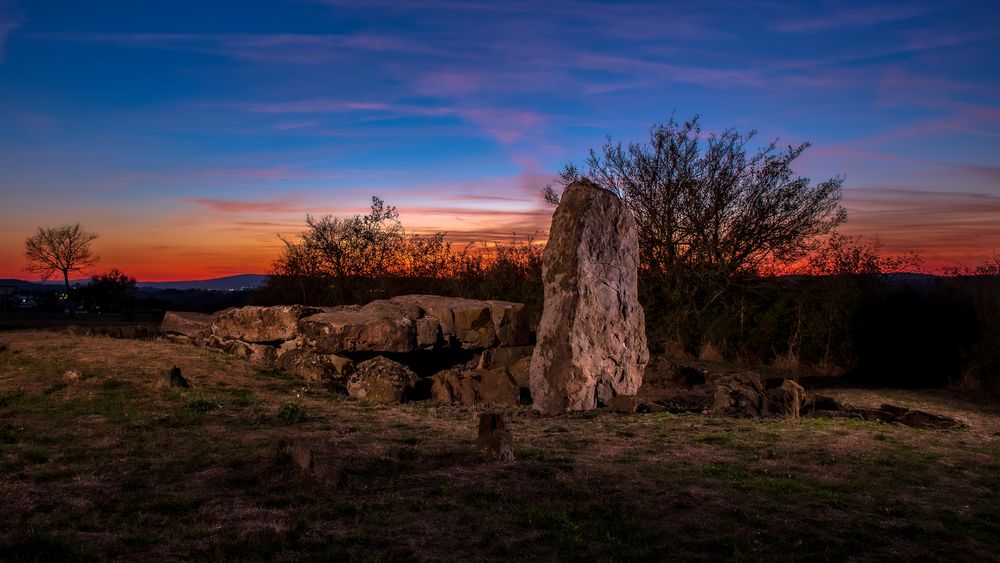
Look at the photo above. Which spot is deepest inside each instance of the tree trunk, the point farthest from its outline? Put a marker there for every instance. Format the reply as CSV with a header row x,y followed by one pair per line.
x,y
69,302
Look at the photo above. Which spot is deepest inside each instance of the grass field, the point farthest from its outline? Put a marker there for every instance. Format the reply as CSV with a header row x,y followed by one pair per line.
x,y
116,467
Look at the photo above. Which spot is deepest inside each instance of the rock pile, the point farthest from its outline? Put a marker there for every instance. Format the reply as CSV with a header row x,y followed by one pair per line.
x,y
378,351
592,337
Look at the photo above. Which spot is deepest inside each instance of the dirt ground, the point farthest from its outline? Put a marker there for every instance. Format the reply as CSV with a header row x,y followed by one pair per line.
x,y
115,466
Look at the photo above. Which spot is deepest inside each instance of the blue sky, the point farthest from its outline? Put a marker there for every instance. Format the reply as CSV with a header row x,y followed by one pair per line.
x,y
188,134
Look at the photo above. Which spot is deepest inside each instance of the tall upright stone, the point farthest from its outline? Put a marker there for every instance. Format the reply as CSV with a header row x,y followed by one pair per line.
x,y
591,343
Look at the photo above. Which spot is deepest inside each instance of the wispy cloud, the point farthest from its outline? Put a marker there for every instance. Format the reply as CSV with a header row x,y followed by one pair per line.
x,y
852,17
946,227
505,125
10,19
326,105
712,77
237,206
285,48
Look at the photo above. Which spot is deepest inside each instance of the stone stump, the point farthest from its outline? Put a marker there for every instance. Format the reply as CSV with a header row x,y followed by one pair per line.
x,y
591,342
494,438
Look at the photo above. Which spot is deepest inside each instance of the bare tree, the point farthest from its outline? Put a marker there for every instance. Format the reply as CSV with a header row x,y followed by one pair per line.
x,y
707,207
358,258
840,255
62,249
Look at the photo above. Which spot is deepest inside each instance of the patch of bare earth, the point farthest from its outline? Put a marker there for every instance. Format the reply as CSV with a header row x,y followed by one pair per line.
x,y
116,467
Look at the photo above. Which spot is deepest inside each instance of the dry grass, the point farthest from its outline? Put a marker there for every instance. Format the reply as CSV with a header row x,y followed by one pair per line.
x,y
113,467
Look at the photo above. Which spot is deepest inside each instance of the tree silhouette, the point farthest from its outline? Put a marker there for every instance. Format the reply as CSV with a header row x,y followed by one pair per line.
x,y
705,205
111,290
62,249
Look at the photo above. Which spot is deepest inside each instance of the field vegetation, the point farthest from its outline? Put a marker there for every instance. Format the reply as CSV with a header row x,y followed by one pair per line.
x,y
114,466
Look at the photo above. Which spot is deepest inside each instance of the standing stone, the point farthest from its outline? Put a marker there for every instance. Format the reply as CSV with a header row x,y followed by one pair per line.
x,y
592,337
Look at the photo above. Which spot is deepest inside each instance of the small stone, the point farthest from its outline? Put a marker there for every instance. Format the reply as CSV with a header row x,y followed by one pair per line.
x,y
71,376
381,380
929,421
310,366
785,401
175,379
740,395
302,455
494,438
294,451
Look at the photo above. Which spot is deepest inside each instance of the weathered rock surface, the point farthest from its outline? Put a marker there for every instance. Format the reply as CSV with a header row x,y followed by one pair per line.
x,y
495,438
417,322
380,326
474,324
261,324
510,321
192,325
475,386
592,337
521,372
312,366
504,357
258,354
381,380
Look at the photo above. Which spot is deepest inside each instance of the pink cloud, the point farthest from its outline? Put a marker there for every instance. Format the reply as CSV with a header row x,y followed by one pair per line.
x,y
944,226
235,206
505,125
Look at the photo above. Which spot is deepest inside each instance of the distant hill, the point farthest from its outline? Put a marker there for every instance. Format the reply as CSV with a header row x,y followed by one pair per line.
x,y
228,283
21,284
241,281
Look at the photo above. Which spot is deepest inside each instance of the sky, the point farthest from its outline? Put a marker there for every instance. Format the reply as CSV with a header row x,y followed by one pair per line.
x,y
190,134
